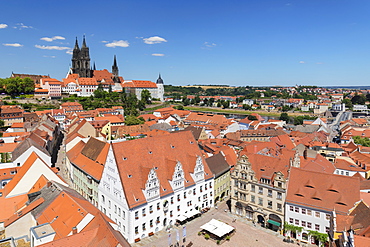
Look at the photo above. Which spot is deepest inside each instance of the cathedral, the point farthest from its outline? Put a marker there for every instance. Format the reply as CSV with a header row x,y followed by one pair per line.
x,y
111,81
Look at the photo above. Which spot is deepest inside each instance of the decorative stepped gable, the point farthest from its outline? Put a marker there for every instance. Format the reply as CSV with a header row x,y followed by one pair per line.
x,y
154,152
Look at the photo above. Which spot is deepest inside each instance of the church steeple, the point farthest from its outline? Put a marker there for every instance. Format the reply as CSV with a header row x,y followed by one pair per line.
x,y
115,67
81,60
159,80
84,43
76,45
94,68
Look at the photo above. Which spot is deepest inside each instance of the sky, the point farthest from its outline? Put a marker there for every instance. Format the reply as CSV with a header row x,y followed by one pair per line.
x,y
201,42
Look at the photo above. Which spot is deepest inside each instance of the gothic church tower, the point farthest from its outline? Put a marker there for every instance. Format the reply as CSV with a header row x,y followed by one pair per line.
x,y
81,60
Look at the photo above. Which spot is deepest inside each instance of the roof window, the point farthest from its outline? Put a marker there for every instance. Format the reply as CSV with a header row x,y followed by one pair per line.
x,y
129,176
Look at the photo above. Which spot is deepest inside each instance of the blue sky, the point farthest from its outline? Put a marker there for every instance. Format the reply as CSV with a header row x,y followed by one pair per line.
x,y
244,42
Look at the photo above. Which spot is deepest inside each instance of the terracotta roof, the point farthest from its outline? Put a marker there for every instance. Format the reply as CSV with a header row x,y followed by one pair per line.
x,y
9,206
87,81
160,153
90,157
7,147
143,84
97,234
322,191
112,119
99,75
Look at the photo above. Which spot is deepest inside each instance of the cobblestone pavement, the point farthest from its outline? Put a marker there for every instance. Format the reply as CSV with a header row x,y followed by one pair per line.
x,y
245,235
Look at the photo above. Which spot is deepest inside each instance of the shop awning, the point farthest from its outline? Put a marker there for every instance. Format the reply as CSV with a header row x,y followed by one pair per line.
x,y
274,222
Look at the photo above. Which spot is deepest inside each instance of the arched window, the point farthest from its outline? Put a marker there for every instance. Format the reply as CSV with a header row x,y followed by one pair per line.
x,y
102,199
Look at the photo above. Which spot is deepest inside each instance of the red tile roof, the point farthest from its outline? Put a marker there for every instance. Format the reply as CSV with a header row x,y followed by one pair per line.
x,y
162,152
322,191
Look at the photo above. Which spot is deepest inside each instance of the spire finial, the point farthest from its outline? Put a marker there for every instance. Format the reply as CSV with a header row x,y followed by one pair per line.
x,y
76,45
94,66
84,42
115,61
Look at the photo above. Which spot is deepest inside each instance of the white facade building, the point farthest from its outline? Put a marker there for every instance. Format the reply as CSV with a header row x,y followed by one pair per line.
x,y
144,195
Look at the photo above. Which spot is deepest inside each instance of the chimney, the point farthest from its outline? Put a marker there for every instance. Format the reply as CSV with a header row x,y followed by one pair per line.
x,y
74,230
48,184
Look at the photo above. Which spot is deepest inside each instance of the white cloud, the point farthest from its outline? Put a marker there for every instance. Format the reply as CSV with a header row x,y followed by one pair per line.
x,y
14,45
70,52
53,38
21,26
302,62
3,26
119,43
49,56
52,47
319,63
158,55
104,41
210,45
154,40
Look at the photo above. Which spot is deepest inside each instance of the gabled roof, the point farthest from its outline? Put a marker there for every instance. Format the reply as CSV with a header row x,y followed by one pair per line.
x,y
89,157
217,164
33,141
136,158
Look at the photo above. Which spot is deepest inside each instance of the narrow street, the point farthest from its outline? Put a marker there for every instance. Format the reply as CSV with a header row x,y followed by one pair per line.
x,y
61,163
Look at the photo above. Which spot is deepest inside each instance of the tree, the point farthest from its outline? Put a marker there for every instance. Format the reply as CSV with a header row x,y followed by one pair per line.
x,y
285,108
99,92
348,103
145,96
284,117
358,99
133,120
252,118
180,107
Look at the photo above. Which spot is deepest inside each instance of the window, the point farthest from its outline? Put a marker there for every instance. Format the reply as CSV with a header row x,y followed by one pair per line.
x,y
136,230
194,191
171,214
260,190
178,208
253,199
269,204
253,188
157,221
296,221
279,196
291,220
151,223
296,209
151,209
327,216
200,189
136,215
278,207
317,214
303,223
123,214
115,209
158,207
144,228
210,184
269,193
260,201
309,212
103,199
143,211
109,203
184,195
303,211
280,184
205,187
291,208
119,211
178,198
317,227
171,200
309,225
